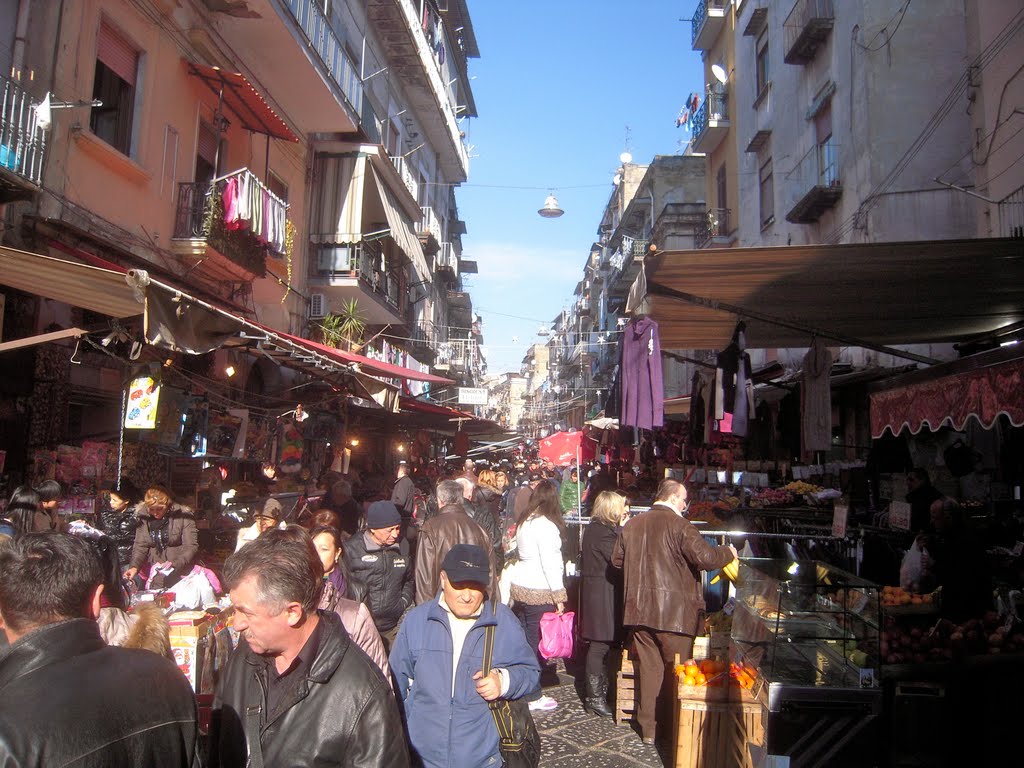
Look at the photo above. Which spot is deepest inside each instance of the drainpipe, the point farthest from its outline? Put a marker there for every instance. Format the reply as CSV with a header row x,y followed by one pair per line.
x,y
20,37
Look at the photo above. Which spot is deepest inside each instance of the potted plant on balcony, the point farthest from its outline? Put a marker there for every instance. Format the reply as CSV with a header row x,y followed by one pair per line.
x,y
344,329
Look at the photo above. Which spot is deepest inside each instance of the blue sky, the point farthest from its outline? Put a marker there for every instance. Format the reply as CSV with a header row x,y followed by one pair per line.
x,y
556,85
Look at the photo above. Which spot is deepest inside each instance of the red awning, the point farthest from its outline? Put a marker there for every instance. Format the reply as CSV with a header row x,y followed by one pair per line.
x,y
419,406
367,364
984,393
563,448
245,101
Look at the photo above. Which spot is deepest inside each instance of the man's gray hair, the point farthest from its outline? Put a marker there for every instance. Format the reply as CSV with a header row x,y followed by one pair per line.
x,y
345,487
285,565
449,492
467,486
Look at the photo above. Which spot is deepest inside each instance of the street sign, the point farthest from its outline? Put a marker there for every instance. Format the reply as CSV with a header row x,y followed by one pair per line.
x,y
472,396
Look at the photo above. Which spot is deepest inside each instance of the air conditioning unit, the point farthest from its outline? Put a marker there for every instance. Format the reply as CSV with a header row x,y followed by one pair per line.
x,y
317,306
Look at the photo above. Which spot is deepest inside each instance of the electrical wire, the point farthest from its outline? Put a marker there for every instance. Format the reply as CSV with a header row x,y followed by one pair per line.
x,y
902,14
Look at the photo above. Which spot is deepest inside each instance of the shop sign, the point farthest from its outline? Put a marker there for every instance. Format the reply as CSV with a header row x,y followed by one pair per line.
x,y
840,516
143,397
472,396
899,515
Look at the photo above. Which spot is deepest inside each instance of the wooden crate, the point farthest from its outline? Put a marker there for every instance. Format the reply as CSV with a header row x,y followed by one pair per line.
x,y
714,727
625,691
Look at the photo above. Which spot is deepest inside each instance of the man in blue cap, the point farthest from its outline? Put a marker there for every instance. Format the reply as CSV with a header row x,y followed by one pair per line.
x,y
437,661
379,558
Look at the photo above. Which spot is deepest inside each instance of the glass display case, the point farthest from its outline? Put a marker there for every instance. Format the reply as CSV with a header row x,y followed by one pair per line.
x,y
813,632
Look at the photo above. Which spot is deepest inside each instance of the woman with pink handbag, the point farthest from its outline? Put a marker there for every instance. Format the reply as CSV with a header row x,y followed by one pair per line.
x,y
537,585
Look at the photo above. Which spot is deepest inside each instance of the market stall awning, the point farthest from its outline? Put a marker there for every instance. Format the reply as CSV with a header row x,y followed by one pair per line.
x,y
984,387
563,448
240,97
883,293
80,285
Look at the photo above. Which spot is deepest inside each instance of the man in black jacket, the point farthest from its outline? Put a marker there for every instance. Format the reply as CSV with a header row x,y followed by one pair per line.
x,y
297,690
66,698
380,561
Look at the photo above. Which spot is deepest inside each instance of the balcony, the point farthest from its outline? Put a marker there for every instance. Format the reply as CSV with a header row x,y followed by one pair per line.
x,y
347,271
806,29
714,231
215,231
423,341
309,73
707,23
583,307
762,119
22,145
425,61
458,355
818,182
447,262
429,230
711,121
407,178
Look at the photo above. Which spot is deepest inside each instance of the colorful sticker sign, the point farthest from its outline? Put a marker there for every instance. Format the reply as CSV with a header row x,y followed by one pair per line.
x,y
143,397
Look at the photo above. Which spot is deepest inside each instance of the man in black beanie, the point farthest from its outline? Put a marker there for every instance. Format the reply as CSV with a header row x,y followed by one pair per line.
x,y
379,559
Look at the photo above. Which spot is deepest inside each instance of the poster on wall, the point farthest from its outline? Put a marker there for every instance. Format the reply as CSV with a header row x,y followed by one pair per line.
x,y
143,399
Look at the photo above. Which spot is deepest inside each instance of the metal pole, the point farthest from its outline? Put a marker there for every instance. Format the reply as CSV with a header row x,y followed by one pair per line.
x,y
657,289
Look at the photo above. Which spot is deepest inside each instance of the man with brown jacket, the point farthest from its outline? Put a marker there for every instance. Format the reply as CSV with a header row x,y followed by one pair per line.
x,y
662,555
450,526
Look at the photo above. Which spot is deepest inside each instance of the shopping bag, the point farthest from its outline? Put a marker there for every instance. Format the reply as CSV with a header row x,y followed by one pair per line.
x,y
556,635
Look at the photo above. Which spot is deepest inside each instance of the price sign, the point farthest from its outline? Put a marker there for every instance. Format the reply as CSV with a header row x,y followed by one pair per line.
x,y
899,515
840,515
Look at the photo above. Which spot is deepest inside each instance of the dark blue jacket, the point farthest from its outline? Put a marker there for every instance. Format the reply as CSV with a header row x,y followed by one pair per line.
x,y
447,731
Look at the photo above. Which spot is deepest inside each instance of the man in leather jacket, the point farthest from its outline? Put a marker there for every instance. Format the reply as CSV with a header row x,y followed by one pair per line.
x,y
662,555
67,698
449,527
297,691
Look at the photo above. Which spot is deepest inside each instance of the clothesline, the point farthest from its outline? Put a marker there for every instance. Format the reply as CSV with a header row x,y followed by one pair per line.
x,y
250,205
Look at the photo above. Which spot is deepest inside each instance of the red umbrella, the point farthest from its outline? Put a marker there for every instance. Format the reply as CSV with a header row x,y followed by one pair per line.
x,y
562,448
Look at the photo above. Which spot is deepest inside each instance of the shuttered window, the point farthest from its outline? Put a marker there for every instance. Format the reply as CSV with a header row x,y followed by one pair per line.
x,y
120,56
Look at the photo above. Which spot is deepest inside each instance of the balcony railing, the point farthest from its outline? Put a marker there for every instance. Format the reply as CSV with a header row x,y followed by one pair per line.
x,y
806,28
236,215
407,178
446,258
361,261
817,182
429,224
457,353
22,141
310,17
705,9
715,224
714,108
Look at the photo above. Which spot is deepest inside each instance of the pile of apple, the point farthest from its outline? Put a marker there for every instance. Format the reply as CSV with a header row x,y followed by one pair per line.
x,y
901,644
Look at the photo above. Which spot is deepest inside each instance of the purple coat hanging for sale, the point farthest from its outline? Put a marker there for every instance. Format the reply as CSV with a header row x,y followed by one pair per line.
x,y
643,393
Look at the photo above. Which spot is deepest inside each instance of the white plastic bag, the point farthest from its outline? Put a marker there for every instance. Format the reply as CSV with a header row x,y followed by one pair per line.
x,y
912,569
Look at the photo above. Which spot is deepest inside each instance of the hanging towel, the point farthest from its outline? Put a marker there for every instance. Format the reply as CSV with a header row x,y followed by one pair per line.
x,y
816,398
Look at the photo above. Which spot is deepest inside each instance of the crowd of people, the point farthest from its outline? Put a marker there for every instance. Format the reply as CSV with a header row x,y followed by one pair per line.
x,y
359,621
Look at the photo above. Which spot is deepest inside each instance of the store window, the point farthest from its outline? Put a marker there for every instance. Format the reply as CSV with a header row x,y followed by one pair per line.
x,y
766,195
761,71
114,84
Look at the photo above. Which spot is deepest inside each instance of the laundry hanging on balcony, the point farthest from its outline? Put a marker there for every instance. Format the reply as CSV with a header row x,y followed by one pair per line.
x,y
250,205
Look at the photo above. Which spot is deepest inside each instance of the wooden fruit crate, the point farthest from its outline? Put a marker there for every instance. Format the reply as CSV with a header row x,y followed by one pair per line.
x,y
625,691
714,726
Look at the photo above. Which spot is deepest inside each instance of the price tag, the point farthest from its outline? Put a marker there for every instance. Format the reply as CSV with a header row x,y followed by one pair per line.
x,y
1018,548
840,515
899,515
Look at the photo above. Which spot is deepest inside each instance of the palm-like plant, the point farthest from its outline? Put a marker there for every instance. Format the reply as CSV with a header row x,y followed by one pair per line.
x,y
344,329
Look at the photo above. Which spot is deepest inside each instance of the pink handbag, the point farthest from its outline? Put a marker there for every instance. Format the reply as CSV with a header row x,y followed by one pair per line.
x,y
556,635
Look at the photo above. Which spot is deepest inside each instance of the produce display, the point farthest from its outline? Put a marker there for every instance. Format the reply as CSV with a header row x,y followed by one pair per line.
x,y
916,642
773,497
893,597
716,674
800,488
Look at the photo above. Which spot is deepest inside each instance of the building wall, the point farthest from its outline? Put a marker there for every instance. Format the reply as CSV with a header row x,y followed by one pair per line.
x,y
725,154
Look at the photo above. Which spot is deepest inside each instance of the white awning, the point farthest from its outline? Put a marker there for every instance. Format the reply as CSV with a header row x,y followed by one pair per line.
x,y
80,285
401,230
337,205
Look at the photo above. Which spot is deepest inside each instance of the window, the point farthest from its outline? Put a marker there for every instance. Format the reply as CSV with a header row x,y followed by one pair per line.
x,y
761,73
766,193
723,193
828,154
206,153
277,186
117,67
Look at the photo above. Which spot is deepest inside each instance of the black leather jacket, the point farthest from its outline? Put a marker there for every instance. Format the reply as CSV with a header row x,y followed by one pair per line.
x,y
387,576
67,698
344,714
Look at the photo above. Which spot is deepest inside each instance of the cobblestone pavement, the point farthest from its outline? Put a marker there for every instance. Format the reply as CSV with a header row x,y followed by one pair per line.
x,y
573,738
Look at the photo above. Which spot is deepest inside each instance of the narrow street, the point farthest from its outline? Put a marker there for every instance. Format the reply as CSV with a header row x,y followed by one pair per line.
x,y
571,737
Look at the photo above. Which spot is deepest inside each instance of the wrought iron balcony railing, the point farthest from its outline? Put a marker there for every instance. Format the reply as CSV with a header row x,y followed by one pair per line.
x,y
715,224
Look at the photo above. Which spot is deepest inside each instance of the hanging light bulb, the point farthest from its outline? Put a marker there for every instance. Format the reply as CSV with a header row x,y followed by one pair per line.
x,y
551,209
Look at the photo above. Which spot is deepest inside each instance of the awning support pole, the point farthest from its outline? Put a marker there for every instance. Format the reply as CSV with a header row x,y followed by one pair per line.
x,y
657,289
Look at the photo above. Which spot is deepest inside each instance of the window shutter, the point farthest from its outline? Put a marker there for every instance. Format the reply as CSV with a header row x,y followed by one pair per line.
x,y
118,54
207,143
823,124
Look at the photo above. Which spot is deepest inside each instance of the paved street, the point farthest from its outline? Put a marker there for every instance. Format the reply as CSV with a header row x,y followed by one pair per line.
x,y
571,737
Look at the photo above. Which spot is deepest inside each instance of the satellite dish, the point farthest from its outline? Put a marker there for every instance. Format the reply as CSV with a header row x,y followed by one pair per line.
x,y
625,157
617,179
719,72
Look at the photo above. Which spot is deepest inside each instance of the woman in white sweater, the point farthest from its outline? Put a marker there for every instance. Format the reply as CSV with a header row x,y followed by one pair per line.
x,y
537,580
